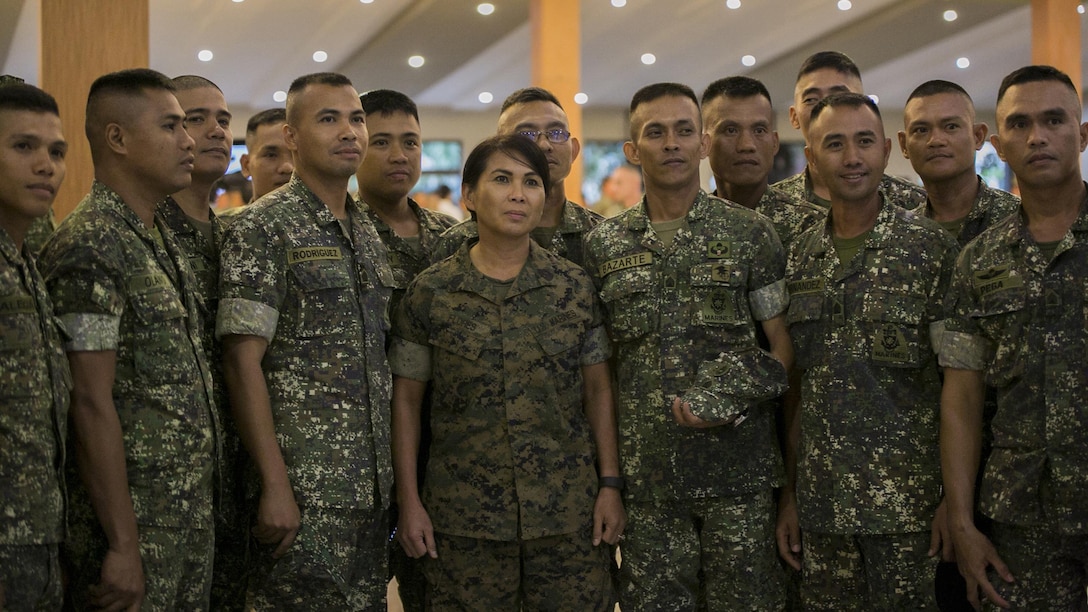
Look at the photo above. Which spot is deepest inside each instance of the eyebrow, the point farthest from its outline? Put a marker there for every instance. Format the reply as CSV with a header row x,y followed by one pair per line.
x,y
551,125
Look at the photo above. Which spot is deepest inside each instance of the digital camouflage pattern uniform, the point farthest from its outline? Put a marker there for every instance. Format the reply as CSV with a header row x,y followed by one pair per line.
x,y
1023,322
408,257
904,193
512,451
566,242
869,476
672,312
990,206
118,287
790,216
34,387
231,520
290,275
40,231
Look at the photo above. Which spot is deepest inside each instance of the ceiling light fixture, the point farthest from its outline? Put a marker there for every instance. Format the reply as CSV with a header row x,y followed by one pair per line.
x,y
732,4
416,61
205,55
619,3
485,8
1080,9
320,56
238,1
279,96
648,58
485,97
845,5
963,62
748,60
580,98
366,1
951,15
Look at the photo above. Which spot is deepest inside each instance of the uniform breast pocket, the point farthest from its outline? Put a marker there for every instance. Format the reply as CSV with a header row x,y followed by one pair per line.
x,y
718,295
629,300
892,323
1002,317
803,316
159,336
459,367
325,303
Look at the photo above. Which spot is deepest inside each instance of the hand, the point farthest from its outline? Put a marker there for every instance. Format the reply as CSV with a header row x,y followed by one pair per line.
x,y
415,532
609,517
788,530
277,519
940,539
974,553
121,585
681,411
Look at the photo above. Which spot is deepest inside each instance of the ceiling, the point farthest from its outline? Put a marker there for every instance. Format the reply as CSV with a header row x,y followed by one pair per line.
x,y
259,46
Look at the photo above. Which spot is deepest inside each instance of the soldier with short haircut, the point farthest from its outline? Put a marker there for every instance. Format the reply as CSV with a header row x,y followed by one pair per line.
x,y
1017,322
304,288
822,74
34,377
142,414
738,117
42,227
866,294
510,336
267,162
536,114
686,279
940,136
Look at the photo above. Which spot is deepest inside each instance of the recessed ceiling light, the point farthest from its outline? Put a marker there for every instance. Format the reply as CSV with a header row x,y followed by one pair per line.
x,y
279,96
619,3
845,5
416,61
320,56
238,1
875,98
950,15
205,55
748,60
733,4
648,58
1080,9
580,98
485,97
366,1
485,8
963,62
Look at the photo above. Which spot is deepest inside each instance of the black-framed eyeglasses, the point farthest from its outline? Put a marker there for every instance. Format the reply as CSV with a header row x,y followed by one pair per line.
x,y
556,136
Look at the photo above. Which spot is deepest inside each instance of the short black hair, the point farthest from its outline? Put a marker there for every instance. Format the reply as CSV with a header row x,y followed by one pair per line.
x,y
529,94
333,79
387,102
269,116
23,97
835,60
735,87
938,86
1033,74
131,82
654,91
187,82
514,145
847,99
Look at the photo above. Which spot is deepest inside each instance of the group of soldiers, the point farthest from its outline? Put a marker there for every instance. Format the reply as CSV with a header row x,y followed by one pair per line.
x,y
799,396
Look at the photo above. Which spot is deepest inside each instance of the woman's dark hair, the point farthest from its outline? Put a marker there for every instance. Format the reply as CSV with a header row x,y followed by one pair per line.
x,y
513,145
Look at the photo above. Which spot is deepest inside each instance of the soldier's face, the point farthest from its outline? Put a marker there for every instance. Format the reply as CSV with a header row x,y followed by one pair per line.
x,y
207,121
329,140
508,198
940,136
391,166
668,143
743,142
159,151
269,164
541,116
849,151
815,86
1039,133
32,150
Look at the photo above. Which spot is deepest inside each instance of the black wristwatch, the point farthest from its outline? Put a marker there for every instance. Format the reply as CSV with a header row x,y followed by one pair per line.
x,y
612,482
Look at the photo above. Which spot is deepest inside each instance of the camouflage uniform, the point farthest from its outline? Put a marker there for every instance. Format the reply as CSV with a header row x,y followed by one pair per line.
x,y
290,275
566,243
790,216
903,193
407,258
868,464
1023,322
116,288
513,458
34,387
231,525
671,313
40,231
990,206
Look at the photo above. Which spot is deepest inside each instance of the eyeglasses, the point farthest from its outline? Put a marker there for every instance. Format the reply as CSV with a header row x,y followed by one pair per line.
x,y
556,136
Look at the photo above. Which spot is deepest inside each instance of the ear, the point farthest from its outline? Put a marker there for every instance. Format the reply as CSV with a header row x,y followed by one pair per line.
x,y
903,144
980,130
795,119
289,137
630,151
116,139
466,198
995,140
575,148
244,161
774,137
704,145
809,158
1083,136
887,151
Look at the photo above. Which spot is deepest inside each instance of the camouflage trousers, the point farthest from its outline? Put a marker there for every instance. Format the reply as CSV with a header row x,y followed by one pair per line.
x,y
177,566
1051,570
702,554
232,526
338,561
561,573
867,572
30,578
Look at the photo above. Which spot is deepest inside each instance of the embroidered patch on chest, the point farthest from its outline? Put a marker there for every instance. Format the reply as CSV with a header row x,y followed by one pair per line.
x,y
313,254
644,258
